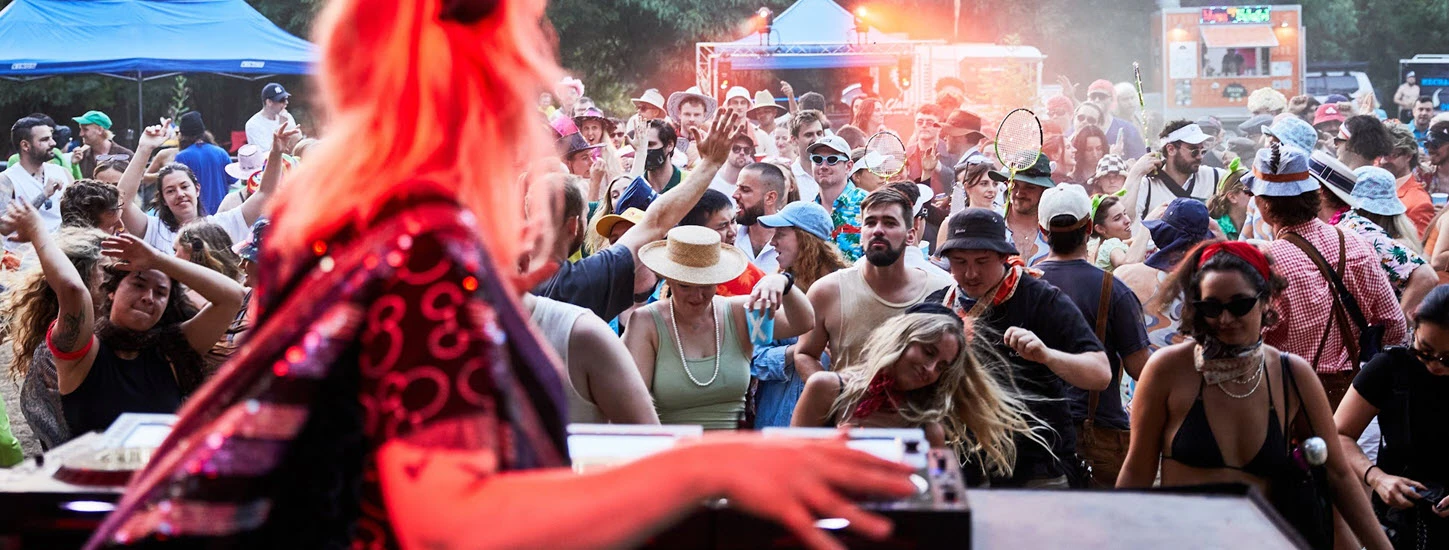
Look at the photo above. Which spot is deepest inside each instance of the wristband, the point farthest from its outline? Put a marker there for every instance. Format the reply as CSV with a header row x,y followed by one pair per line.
x,y
789,281
65,355
1366,472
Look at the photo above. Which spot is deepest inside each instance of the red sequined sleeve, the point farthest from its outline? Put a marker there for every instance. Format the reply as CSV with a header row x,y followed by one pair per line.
x,y
428,344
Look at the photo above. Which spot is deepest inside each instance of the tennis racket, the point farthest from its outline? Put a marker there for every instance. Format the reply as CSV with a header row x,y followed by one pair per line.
x,y
1141,104
885,155
1018,142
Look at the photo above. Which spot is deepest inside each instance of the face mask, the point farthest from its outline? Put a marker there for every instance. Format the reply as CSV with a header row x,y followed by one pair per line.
x,y
655,159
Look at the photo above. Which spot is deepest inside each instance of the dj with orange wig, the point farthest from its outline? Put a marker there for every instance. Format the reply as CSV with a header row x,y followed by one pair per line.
x,y
393,393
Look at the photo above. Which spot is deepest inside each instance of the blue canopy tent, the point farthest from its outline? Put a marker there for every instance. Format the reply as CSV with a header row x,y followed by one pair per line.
x,y
144,40
810,34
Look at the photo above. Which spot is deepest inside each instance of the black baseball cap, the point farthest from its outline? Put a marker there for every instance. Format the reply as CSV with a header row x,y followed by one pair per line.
x,y
275,92
977,229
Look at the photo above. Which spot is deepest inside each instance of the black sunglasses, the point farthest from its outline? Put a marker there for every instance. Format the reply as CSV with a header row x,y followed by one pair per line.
x,y
1208,309
1442,359
828,160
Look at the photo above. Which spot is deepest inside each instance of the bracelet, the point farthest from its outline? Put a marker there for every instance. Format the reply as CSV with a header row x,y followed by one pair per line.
x,y
789,281
1367,470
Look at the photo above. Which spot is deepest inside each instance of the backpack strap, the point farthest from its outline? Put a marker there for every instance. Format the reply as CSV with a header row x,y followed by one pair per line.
x,y
1094,397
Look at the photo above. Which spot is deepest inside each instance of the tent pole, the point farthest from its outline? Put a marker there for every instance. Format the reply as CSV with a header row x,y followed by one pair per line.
x,y
140,105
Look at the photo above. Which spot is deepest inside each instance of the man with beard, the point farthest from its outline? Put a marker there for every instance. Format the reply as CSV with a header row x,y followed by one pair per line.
x,y
1182,173
840,197
1037,327
760,192
610,280
1025,193
852,302
34,179
1101,93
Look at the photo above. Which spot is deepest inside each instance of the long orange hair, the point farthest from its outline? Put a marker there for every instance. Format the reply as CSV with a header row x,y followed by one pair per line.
x,y
412,97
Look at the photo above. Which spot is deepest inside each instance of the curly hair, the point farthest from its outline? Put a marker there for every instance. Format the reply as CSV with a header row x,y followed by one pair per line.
x,y
28,303
979,413
1185,282
158,202
210,247
83,202
179,308
815,259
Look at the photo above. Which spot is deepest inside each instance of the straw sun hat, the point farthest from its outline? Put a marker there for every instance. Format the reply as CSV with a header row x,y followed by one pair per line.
x,y
694,255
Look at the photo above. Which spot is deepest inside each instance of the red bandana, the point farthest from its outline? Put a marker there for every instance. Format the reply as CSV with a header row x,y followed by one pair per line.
x,y
878,395
1003,291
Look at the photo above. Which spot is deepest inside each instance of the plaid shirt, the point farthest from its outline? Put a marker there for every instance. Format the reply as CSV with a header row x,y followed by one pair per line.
x,y
1306,306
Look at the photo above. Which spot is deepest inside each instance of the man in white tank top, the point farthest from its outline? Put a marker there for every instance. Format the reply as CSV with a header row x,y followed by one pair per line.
x,y
33,179
850,303
601,382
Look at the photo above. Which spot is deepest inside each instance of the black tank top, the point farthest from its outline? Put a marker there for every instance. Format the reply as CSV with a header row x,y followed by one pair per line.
x,y
114,386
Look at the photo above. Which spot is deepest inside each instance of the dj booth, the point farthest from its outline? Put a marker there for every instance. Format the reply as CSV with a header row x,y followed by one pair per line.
x,y
57,501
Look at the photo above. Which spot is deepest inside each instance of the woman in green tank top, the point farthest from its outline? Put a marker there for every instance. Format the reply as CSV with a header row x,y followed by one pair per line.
x,y
693,348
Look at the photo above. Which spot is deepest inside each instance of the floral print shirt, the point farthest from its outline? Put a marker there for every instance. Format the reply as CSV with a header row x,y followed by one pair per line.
x,y
845,216
1397,260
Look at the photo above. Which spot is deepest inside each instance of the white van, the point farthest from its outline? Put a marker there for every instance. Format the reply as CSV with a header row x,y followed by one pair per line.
x,y
1321,84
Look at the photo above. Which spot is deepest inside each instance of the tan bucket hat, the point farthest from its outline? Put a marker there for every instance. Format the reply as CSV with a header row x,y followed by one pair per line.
x,y
650,97
694,255
765,100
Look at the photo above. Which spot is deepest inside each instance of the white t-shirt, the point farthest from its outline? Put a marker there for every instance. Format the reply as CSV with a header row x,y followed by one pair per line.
x,y
809,189
768,260
163,238
260,129
1154,193
724,186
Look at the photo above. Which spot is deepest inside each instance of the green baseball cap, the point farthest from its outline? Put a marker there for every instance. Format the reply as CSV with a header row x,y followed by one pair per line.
x,y
94,117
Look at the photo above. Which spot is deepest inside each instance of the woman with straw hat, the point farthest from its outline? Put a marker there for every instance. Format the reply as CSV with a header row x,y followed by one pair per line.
x,y
693,348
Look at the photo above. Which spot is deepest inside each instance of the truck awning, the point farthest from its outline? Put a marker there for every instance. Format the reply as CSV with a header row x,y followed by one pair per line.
x,y
1239,36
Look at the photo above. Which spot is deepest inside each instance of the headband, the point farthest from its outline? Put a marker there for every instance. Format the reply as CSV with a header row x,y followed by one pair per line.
x,y
1244,251
1291,177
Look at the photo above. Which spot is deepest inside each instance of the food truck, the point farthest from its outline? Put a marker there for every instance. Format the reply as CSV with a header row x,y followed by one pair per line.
x,y
1207,60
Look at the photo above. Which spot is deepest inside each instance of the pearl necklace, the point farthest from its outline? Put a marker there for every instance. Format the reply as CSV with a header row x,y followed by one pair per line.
x,y
1257,378
679,344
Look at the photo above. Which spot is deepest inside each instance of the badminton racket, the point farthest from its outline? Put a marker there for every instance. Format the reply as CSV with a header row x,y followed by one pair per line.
x,y
1018,142
1141,104
885,155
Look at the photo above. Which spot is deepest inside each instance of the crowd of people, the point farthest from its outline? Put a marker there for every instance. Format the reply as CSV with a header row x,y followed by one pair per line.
x,y
1057,326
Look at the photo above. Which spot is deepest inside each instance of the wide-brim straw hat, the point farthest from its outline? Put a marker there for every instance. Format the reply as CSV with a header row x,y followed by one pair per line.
x,y
677,98
694,255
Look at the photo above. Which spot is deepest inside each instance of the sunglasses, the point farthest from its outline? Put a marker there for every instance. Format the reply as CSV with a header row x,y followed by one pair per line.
x,y
1098,96
1208,309
928,123
743,150
1086,119
1442,359
618,134
828,160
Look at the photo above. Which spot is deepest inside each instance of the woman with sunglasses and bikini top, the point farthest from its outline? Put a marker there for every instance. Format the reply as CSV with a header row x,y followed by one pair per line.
x,y
1407,388
1223,407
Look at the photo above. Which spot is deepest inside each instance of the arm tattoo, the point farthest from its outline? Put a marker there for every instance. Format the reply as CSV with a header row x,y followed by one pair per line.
x,y
67,332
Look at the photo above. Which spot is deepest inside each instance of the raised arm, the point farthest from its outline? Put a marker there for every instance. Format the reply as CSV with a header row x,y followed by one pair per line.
x,y
71,331
789,91
671,206
225,295
256,204
791,310
612,382
131,213
1136,176
153,171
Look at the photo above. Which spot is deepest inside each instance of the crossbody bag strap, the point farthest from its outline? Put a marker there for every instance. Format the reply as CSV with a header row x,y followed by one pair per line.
x,y
1095,397
1341,296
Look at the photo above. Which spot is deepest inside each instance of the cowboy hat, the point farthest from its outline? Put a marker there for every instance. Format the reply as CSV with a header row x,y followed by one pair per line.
x,y
651,98
765,100
250,159
677,98
694,255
